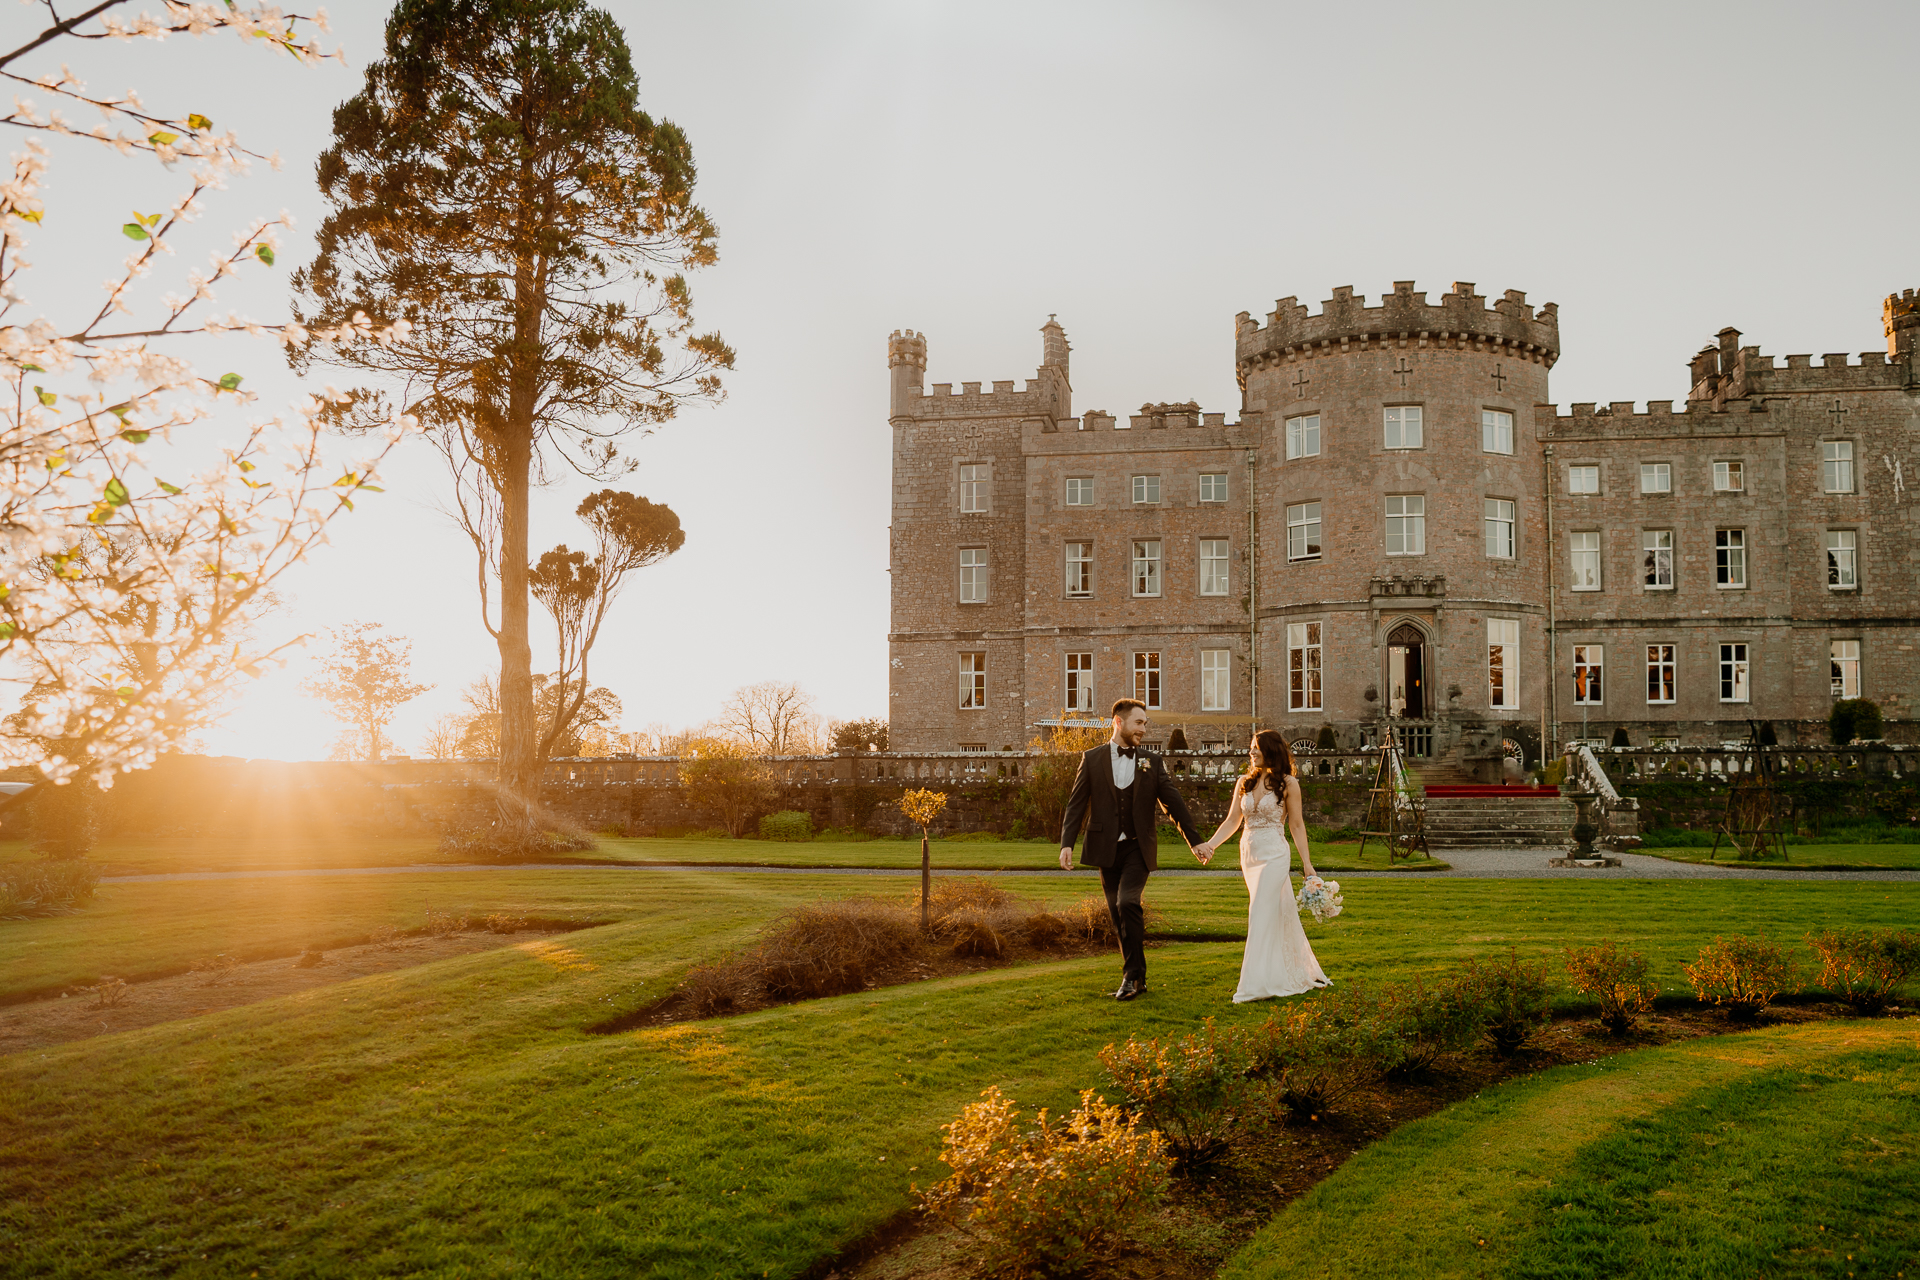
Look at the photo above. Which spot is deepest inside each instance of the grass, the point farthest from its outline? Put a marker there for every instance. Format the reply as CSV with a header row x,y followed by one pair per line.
x,y
1809,857
455,1119
1790,1150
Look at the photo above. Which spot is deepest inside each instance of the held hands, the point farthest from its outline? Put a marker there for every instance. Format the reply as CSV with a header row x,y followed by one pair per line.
x,y
1204,852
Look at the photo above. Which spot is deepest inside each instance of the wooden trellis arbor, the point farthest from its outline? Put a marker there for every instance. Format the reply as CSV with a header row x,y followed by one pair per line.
x,y
1751,824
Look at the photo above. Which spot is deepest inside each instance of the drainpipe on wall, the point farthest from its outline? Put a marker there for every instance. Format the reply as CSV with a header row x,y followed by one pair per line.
x,y
1253,591
1550,709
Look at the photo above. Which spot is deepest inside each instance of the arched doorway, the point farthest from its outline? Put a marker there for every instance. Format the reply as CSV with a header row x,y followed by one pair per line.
x,y
1407,672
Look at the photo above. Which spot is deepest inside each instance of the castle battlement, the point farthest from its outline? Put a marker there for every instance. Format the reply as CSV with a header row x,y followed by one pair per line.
x,y
1461,319
1901,316
1619,419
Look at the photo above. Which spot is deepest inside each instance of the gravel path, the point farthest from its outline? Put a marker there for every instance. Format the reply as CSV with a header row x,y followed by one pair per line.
x,y
1471,864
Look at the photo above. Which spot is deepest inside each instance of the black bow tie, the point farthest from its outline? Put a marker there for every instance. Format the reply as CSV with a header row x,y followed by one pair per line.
x,y
1129,752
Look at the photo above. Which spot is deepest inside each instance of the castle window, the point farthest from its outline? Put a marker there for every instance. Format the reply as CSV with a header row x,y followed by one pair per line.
x,y
973,681
1586,561
1079,491
1730,558
1584,479
1656,477
1303,531
1303,436
1146,489
1658,545
1733,673
1213,486
1842,559
1079,682
1406,525
1079,570
1836,466
1728,477
1216,679
1496,431
1843,662
1499,528
1303,666
1589,666
1146,568
973,575
1503,663
1404,427
973,486
1146,679
1213,566
1660,668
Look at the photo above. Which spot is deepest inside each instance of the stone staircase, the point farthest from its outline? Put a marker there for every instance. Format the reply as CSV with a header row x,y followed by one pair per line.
x,y
1526,819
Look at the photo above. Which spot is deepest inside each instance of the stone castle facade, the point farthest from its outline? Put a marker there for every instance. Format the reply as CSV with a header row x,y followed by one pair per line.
x,y
1401,533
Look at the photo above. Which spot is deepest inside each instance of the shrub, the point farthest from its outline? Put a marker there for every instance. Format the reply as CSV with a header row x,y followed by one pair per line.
x,y
713,989
48,886
489,840
1325,740
788,824
1741,975
1047,930
1617,979
1316,1053
728,780
1620,738
1192,1089
1510,999
1048,1200
1853,718
1865,965
1428,1021
65,819
972,933
830,948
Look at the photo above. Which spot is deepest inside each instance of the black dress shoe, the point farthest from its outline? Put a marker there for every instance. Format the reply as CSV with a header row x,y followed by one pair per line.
x,y
1129,989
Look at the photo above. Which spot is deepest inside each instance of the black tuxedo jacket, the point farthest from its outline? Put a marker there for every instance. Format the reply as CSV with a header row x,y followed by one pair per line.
x,y
1095,802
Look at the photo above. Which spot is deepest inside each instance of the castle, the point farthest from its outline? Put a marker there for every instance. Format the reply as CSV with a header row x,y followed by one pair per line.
x,y
1401,534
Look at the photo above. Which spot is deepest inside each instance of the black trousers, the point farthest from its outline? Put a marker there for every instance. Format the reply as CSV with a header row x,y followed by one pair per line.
x,y
1124,882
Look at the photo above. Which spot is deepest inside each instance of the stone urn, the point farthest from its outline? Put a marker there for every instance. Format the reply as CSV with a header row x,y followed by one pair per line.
x,y
1583,829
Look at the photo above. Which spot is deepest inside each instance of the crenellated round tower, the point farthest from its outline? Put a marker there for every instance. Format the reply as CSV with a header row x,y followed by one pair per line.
x,y
1404,542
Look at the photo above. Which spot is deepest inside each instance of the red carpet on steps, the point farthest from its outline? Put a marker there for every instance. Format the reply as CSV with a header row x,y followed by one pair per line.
x,y
1491,791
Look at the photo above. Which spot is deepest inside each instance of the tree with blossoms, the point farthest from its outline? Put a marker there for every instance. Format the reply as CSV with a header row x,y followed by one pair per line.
x,y
127,587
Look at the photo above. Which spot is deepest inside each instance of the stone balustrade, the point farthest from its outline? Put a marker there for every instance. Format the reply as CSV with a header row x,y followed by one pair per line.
x,y
1633,764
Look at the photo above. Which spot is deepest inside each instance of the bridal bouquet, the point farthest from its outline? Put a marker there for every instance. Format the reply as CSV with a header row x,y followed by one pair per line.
x,y
1322,897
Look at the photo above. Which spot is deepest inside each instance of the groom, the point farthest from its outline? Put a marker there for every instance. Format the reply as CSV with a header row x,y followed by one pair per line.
x,y
1115,793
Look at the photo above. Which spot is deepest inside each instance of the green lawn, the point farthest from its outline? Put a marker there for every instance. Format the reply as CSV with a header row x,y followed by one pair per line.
x,y
455,1119
1805,857
1790,1151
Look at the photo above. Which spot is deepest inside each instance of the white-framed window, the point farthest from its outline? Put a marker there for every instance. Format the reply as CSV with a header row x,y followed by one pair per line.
x,y
1503,663
1843,663
1843,560
1303,666
1836,466
973,681
1213,486
973,487
1729,558
1586,560
1656,477
1404,428
973,575
1583,479
1146,490
1213,566
1146,679
1146,567
1589,672
1079,682
1079,491
1079,570
1303,436
1406,525
1729,477
1658,565
1733,673
1496,431
1661,665
1303,531
1216,679
1499,528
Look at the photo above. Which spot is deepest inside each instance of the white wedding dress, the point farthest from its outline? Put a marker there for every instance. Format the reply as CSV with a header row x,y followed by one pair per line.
x,y
1278,960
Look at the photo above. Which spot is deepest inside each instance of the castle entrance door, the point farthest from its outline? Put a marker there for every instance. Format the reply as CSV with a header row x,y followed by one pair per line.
x,y
1406,672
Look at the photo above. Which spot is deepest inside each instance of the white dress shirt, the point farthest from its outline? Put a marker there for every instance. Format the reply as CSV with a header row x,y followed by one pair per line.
x,y
1123,767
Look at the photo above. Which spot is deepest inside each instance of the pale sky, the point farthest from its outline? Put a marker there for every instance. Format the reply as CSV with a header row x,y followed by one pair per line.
x,y
1143,170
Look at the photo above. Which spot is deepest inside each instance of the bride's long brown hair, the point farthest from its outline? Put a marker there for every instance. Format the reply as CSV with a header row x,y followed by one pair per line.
x,y
1268,760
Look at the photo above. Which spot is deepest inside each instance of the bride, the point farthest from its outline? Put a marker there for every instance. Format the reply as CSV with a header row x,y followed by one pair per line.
x,y
1278,960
